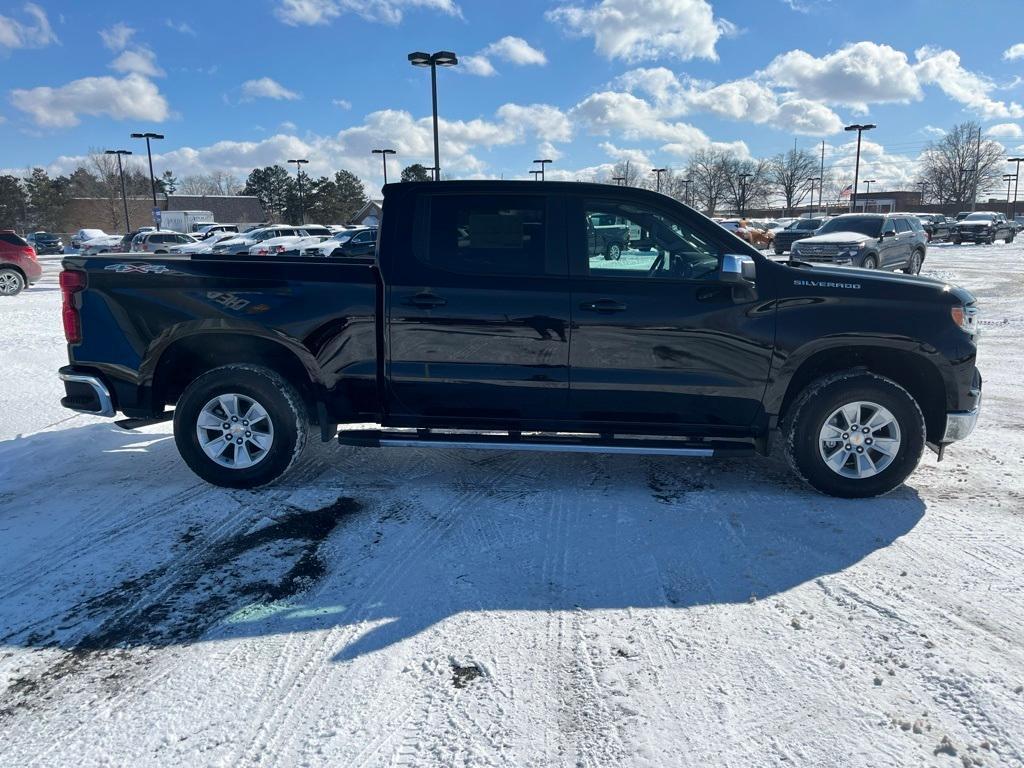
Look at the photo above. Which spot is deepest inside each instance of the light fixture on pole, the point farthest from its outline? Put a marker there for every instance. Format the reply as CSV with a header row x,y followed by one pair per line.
x,y
1018,161
124,195
743,191
542,164
302,200
619,180
686,192
536,174
813,179
1008,177
152,179
657,172
434,60
859,128
384,159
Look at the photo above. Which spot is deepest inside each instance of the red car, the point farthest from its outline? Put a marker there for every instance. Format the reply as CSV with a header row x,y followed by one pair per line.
x,y
18,265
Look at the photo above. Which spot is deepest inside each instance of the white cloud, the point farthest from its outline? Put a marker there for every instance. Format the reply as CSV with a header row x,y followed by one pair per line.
x,y
515,50
935,131
289,126
182,27
267,88
36,33
855,75
141,61
635,30
477,65
311,12
943,69
545,150
342,103
117,37
1014,52
547,122
130,97
1005,131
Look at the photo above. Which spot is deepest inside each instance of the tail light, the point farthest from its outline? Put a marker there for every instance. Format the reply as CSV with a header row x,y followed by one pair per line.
x,y
72,283
30,252
279,249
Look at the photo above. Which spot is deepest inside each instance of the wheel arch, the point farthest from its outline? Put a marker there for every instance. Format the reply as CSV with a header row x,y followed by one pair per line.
x,y
16,268
914,372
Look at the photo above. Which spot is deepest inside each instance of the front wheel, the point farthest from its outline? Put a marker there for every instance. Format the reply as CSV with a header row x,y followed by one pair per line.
x,y
854,434
870,262
11,282
240,426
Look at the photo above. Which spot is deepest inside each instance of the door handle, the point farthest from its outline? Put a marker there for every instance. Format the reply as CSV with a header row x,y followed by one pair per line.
x,y
604,305
426,300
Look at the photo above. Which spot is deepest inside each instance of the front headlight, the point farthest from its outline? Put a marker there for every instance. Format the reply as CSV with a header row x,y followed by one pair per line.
x,y
966,318
852,250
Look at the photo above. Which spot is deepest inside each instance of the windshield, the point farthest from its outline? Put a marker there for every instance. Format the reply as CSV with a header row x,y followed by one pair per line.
x,y
980,217
803,224
864,225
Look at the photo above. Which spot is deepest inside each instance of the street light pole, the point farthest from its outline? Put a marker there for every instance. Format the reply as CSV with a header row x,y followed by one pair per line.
x,y
434,60
536,174
1018,161
619,180
384,159
542,164
867,194
657,172
152,178
859,128
1008,177
686,192
124,194
302,200
813,179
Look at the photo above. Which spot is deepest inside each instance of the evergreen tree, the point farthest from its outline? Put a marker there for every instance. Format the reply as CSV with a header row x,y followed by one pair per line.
x,y
13,202
415,172
168,183
272,187
46,200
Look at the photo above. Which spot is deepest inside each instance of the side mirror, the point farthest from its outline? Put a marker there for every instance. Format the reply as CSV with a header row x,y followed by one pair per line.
x,y
888,233
737,269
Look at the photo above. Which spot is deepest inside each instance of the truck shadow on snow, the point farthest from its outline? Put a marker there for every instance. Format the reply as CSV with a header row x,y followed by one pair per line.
x,y
377,545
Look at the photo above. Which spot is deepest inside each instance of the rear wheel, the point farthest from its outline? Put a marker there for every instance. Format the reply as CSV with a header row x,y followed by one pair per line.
x,y
854,434
914,265
240,426
614,252
11,282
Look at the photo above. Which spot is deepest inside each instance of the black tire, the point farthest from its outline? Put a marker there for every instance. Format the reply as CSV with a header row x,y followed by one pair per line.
x,y
778,252
12,282
285,410
870,262
613,252
1008,239
955,241
914,265
808,415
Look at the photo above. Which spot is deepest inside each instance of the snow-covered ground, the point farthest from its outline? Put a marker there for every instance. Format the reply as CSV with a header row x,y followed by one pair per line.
x,y
445,607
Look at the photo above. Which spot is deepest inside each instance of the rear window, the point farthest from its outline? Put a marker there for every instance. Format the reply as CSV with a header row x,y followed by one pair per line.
x,y
483,234
9,237
902,225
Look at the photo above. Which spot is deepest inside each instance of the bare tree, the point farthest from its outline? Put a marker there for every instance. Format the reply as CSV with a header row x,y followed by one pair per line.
x,y
707,171
747,182
960,166
104,168
628,170
790,172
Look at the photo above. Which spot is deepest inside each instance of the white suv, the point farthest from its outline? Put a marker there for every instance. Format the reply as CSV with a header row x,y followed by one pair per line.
x,y
159,242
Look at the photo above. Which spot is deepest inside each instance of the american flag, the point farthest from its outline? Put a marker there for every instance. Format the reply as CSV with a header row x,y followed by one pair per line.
x,y
847,191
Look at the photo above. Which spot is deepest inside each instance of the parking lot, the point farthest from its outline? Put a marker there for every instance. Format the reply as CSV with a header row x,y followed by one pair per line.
x,y
446,607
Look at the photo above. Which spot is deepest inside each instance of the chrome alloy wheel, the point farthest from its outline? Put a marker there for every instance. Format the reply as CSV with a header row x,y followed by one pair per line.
x,y
235,431
10,283
859,440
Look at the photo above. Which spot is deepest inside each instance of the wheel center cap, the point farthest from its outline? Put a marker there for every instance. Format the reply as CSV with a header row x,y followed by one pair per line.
x,y
856,438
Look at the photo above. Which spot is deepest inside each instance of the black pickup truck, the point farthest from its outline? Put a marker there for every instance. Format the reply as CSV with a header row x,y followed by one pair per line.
x,y
482,322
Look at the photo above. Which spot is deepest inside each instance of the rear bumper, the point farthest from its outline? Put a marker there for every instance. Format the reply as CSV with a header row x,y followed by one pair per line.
x,y
86,393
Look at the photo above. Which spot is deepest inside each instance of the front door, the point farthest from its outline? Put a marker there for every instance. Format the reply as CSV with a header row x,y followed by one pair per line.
x,y
658,341
479,310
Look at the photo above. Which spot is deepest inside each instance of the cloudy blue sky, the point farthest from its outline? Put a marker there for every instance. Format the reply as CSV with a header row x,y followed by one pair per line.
x,y
235,85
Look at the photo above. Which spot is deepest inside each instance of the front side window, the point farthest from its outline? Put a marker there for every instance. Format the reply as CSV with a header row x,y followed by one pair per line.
x,y
481,234
645,243
902,225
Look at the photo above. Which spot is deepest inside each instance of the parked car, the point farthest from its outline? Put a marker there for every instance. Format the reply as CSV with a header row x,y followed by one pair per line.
x,y
936,227
867,240
362,243
483,324
103,244
159,241
240,245
307,235
983,227
744,229
784,238
129,238
326,248
18,265
206,230
84,235
963,215
45,243
203,246
607,240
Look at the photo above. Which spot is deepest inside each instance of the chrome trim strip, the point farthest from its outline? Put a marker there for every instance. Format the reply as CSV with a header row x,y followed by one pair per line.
x,y
398,442
960,424
102,393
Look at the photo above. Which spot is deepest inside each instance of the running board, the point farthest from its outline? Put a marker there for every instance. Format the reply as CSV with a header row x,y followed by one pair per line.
x,y
130,424
381,438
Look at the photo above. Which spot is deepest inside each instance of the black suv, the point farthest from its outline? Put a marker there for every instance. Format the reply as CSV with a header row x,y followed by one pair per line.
x,y
868,240
45,243
936,226
801,228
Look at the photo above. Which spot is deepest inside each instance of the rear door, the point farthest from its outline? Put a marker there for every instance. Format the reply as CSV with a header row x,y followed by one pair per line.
x,y
658,342
478,309
899,250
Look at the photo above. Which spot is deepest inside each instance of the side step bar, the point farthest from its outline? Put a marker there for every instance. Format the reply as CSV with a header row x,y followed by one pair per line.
x,y
382,438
